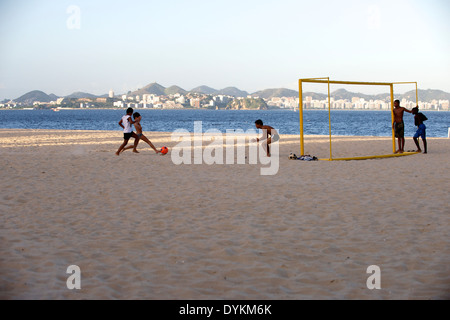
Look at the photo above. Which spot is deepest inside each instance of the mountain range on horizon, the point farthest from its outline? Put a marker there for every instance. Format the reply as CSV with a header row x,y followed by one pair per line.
x,y
157,89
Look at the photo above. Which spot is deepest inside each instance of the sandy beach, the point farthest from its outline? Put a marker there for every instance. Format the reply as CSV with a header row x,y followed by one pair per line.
x,y
141,227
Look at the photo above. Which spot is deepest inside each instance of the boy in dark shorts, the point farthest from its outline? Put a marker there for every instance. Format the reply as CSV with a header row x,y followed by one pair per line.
x,y
127,124
267,130
399,126
419,118
137,124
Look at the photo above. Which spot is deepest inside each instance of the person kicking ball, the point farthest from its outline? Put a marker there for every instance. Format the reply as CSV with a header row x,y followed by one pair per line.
x,y
127,125
140,136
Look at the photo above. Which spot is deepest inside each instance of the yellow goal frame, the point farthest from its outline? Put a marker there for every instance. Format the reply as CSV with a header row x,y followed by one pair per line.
x,y
328,81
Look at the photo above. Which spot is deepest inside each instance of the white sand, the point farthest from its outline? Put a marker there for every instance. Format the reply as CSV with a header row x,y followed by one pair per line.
x,y
140,227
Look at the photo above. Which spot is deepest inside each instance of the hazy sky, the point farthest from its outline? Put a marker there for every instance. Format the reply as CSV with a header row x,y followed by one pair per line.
x,y
93,46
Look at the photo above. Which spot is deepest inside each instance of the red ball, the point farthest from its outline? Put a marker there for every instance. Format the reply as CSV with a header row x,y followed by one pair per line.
x,y
164,150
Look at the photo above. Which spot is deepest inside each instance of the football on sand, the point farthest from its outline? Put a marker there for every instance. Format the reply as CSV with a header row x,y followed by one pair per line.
x,y
164,150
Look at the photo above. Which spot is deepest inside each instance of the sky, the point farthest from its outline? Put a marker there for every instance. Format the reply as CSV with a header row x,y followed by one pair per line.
x,y
63,46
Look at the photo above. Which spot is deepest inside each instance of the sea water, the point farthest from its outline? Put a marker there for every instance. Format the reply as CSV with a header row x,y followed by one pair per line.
x,y
343,122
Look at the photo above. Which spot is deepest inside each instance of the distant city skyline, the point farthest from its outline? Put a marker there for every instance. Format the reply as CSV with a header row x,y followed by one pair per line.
x,y
97,46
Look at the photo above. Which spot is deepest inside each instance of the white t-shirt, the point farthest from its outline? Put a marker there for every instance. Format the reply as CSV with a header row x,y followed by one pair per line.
x,y
127,124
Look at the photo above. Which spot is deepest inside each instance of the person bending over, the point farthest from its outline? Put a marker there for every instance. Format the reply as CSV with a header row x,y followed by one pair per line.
x,y
267,131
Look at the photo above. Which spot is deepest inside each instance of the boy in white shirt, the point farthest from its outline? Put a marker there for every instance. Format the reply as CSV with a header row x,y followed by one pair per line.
x,y
127,124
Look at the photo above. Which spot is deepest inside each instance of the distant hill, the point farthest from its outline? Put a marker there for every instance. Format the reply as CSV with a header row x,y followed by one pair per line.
x,y
343,94
174,90
276,93
204,90
53,97
315,96
233,91
338,94
81,95
157,89
426,95
34,96
382,96
152,88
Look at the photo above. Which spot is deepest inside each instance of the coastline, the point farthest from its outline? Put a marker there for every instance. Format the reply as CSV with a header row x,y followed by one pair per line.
x,y
220,231
207,109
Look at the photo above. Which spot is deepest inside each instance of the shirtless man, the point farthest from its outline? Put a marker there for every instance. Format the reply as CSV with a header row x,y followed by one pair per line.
x,y
267,130
137,124
399,126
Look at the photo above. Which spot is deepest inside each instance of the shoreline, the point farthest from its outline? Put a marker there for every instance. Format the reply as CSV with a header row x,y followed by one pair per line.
x,y
119,133
206,109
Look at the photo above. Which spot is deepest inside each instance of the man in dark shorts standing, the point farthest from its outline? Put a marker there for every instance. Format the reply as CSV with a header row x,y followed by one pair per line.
x,y
127,124
419,118
399,126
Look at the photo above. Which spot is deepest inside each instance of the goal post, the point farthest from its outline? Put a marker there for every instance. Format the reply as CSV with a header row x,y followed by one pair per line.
x,y
326,80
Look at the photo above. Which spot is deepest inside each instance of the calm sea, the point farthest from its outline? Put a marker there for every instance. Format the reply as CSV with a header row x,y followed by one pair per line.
x,y
352,123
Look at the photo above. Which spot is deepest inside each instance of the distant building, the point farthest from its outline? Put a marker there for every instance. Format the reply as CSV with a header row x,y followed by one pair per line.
x,y
181,100
195,103
119,104
150,98
146,98
59,101
170,105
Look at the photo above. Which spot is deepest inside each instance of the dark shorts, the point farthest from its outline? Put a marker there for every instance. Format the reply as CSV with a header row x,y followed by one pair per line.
x,y
139,135
127,136
421,132
399,129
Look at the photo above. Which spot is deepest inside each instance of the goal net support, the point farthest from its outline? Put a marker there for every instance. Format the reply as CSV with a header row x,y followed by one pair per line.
x,y
329,82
